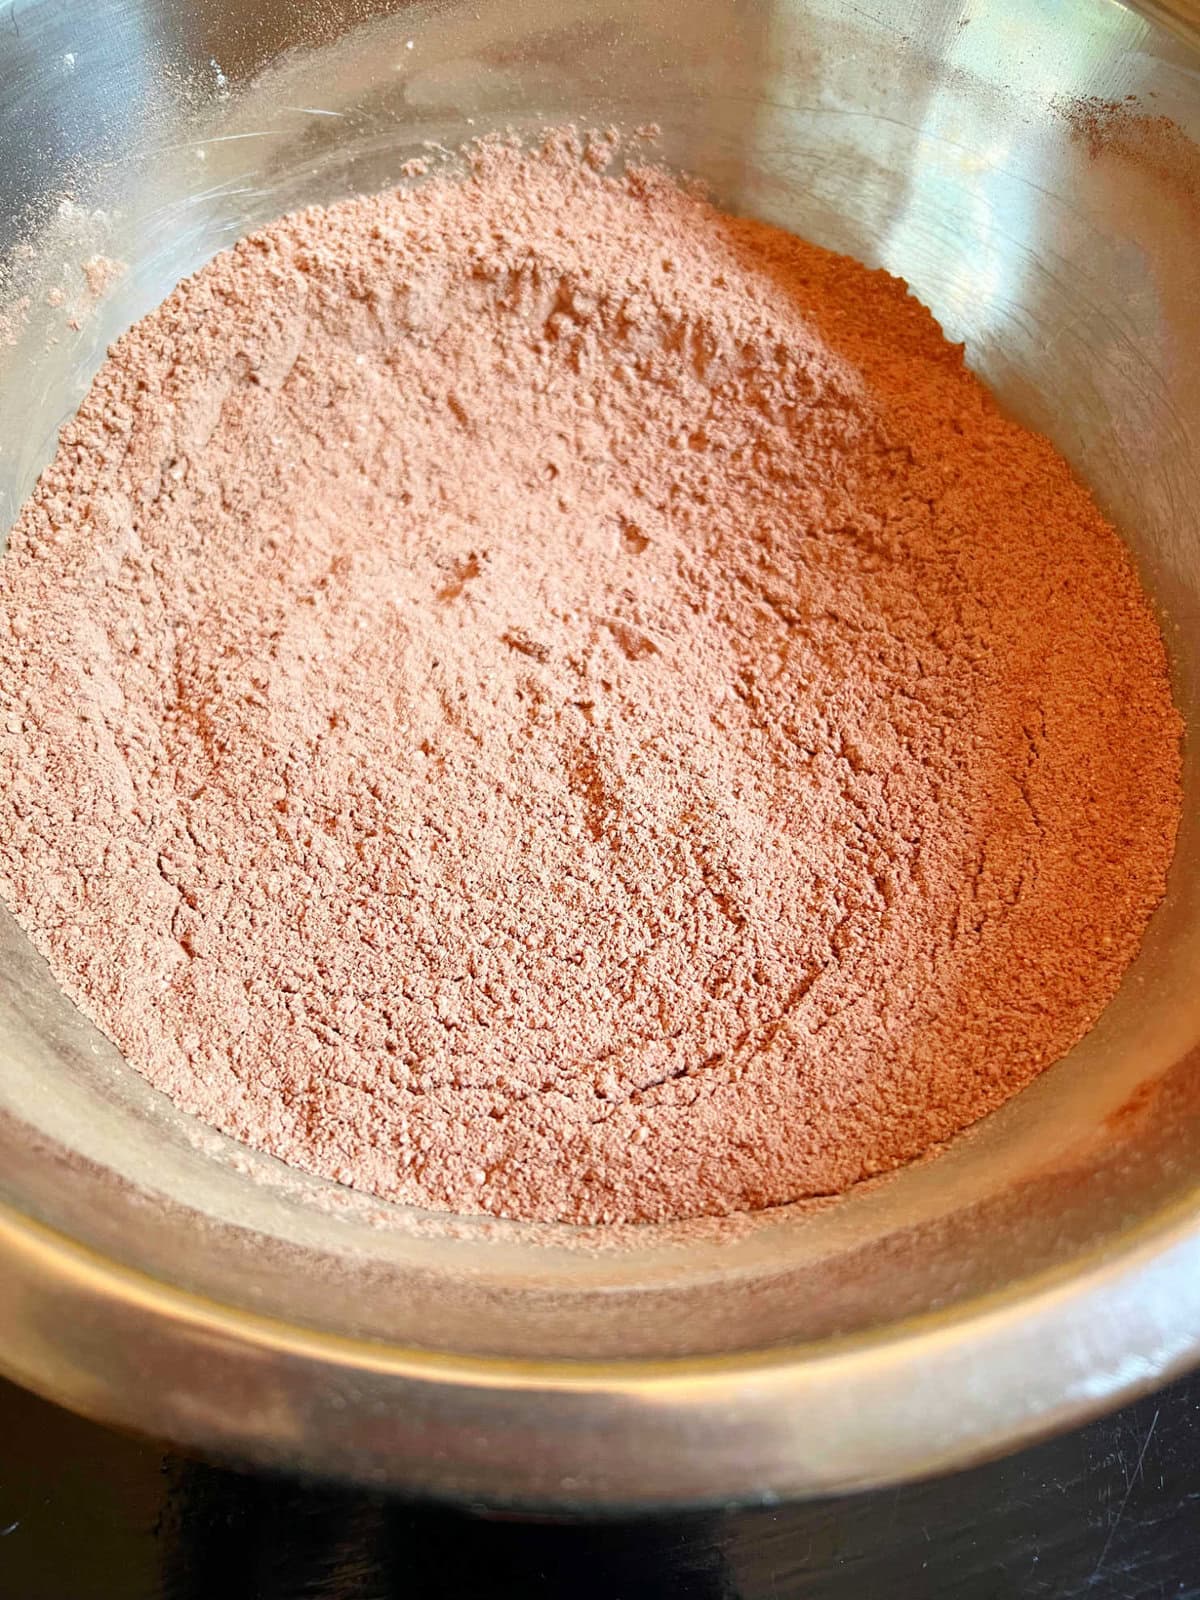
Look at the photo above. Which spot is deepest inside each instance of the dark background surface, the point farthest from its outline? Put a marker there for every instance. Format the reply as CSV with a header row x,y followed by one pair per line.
x,y
1110,1511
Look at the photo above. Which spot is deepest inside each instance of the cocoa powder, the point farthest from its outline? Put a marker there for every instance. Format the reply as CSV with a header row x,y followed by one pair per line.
x,y
531,695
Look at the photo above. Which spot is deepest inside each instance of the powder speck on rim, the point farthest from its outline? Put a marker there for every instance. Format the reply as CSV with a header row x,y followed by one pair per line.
x,y
531,695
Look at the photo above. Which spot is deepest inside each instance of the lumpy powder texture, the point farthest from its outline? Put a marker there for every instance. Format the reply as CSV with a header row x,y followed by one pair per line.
x,y
534,696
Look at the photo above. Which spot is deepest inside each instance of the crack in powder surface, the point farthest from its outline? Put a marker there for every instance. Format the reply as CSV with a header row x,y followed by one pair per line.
x,y
534,696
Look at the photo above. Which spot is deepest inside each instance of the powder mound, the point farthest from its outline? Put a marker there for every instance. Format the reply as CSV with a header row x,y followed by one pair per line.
x,y
530,695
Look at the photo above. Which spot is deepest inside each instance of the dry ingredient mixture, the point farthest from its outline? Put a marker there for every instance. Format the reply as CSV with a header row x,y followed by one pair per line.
x,y
534,696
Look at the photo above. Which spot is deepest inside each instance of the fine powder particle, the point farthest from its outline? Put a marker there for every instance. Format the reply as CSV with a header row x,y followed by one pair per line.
x,y
533,696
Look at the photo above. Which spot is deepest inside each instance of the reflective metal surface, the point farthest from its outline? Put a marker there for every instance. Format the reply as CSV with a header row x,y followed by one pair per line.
x,y
1041,1267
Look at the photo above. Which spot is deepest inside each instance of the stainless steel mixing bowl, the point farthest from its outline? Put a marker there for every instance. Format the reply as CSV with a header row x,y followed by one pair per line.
x,y
1044,1266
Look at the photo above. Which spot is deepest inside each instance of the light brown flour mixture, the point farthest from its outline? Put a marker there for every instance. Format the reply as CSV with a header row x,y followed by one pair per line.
x,y
534,696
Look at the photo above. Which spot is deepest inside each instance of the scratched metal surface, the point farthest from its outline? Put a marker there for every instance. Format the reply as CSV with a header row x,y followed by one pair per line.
x,y
1111,1512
